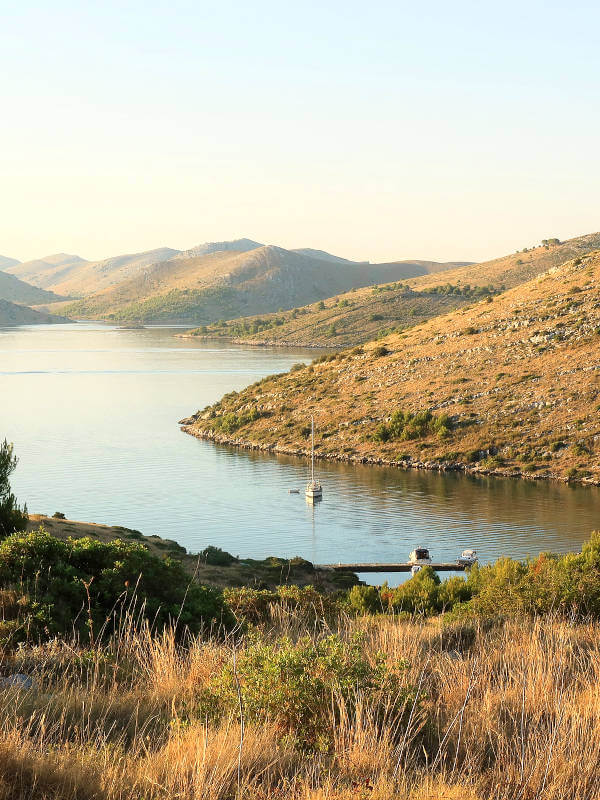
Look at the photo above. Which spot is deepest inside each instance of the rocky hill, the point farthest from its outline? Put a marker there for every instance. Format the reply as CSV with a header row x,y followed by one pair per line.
x,y
227,283
510,385
48,271
18,291
345,320
13,314
357,316
74,276
6,262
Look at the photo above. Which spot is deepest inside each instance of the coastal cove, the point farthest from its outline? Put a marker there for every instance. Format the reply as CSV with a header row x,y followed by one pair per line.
x,y
93,412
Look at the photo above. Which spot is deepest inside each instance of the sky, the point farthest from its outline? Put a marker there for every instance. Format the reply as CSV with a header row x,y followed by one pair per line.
x,y
376,131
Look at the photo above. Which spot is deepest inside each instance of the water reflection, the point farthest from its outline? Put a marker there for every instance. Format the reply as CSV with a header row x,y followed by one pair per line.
x,y
93,413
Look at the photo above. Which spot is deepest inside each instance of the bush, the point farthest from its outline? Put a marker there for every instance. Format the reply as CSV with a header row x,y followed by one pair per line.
x,y
257,605
303,687
364,600
216,557
380,351
12,516
56,577
230,422
407,426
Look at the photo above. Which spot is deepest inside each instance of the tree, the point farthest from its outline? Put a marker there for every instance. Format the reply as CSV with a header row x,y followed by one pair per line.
x,y
12,517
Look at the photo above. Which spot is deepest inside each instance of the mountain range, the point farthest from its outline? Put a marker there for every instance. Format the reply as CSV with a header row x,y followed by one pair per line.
x,y
220,281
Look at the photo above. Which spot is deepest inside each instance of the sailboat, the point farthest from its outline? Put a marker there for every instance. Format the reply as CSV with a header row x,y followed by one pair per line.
x,y
314,490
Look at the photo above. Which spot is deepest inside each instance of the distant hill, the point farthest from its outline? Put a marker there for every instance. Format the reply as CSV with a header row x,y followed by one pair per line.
x,y
354,317
13,314
18,291
48,271
6,262
229,283
509,385
323,255
236,245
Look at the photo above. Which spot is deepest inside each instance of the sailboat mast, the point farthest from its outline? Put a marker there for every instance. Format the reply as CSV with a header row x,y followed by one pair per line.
x,y
312,438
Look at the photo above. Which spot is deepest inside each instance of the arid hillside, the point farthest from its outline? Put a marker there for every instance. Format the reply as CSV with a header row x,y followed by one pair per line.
x,y
226,284
345,320
509,385
355,317
76,277
18,291
516,268
14,314
48,271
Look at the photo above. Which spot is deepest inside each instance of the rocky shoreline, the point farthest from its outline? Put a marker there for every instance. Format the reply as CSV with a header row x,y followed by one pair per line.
x,y
435,466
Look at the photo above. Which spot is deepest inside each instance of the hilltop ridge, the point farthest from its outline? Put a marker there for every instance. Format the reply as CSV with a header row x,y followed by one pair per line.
x,y
230,283
509,386
354,317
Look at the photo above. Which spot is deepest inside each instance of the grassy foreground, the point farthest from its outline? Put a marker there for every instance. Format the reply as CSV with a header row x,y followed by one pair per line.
x,y
506,710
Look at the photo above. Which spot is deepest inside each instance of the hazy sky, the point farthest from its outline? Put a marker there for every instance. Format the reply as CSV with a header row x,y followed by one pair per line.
x,y
378,130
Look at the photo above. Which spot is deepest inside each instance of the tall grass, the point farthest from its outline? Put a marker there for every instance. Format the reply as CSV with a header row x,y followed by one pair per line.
x,y
501,711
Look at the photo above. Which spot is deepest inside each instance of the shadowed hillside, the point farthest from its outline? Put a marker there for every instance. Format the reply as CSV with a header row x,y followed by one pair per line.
x,y
47,271
13,314
227,284
510,385
18,291
6,262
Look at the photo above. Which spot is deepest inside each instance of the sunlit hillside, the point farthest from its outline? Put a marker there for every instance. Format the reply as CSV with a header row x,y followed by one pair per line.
x,y
354,317
508,385
226,284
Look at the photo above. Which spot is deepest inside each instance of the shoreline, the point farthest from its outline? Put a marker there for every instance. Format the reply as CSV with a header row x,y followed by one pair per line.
x,y
378,461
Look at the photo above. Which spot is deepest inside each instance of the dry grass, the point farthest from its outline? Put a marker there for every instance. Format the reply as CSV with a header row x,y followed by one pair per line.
x,y
518,376
516,714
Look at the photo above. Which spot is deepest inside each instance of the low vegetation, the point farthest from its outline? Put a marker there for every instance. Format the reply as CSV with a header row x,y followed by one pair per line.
x,y
363,698
506,387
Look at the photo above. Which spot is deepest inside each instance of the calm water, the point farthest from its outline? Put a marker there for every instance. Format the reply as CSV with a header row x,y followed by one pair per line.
x,y
93,414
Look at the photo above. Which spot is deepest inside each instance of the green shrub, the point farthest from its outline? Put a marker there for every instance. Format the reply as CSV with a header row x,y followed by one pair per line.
x,y
57,575
231,421
12,516
216,557
257,605
302,687
364,600
408,426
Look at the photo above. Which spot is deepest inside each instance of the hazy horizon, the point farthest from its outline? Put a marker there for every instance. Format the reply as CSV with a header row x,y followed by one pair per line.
x,y
377,133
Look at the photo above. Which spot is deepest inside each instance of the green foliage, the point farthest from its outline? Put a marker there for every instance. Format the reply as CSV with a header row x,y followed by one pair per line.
x,y
407,426
57,575
231,421
364,600
216,557
257,605
12,516
292,684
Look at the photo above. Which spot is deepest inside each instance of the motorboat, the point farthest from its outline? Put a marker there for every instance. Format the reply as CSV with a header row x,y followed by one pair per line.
x,y
467,558
420,555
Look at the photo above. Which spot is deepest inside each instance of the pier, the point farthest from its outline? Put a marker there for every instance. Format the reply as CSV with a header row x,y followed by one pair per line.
x,y
451,566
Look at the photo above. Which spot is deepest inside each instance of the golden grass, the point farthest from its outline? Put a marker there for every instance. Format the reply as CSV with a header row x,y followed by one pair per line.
x,y
518,376
514,715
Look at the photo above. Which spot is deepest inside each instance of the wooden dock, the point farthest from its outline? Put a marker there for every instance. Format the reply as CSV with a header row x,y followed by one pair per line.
x,y
451,566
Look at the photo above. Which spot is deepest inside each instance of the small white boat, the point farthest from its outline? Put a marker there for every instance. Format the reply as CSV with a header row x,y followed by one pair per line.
x,y
467,558
314,490
420,555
